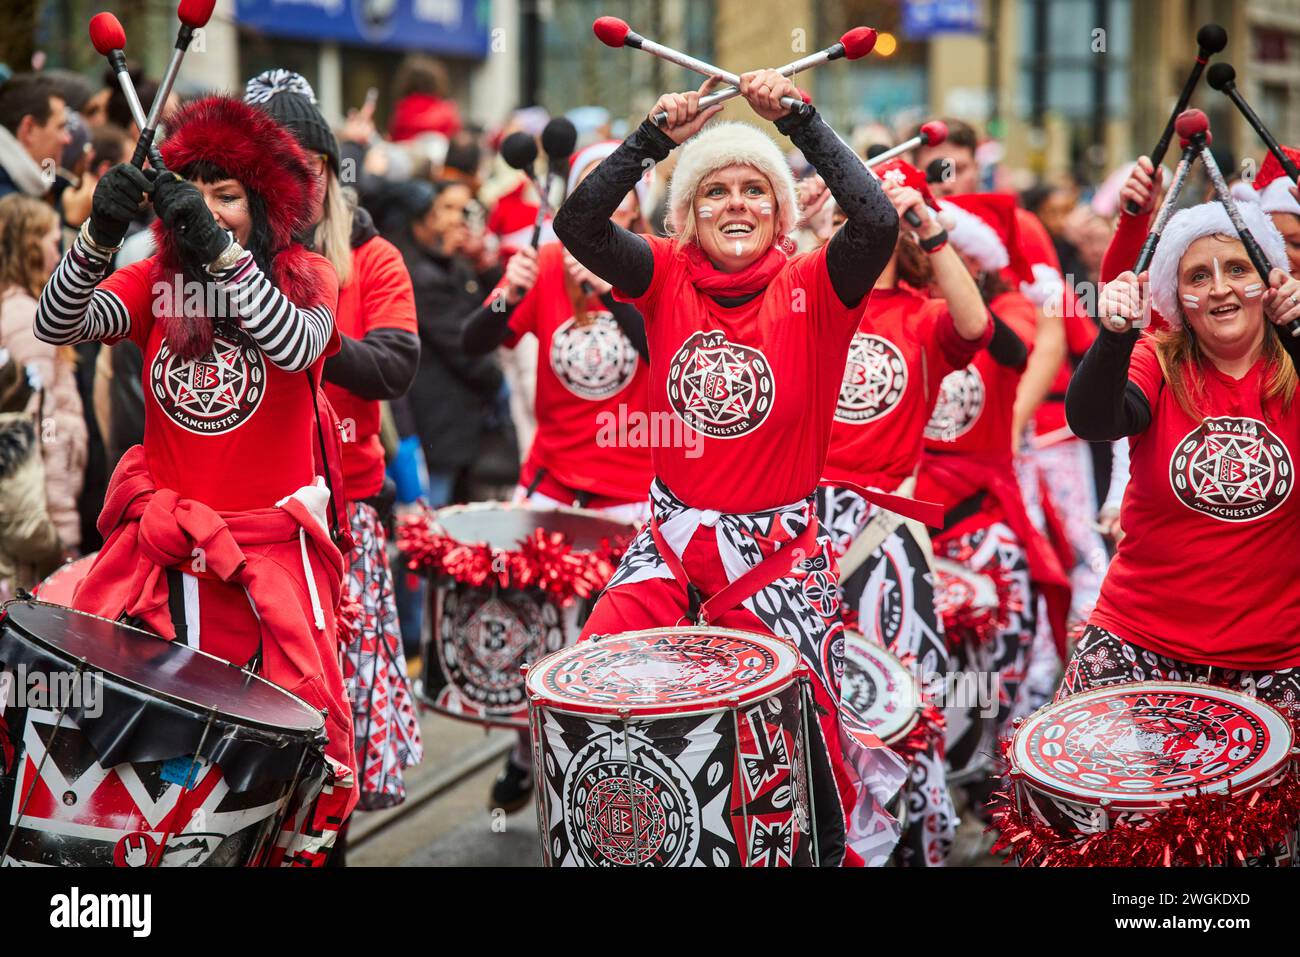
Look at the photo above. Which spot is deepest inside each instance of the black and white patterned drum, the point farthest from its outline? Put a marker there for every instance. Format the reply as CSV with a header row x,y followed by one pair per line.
x,y
971,731
673,747
1134,751
481,636
879,689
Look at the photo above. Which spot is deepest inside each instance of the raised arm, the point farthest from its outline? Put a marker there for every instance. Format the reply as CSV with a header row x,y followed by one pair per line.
x,y
1102,404
857,253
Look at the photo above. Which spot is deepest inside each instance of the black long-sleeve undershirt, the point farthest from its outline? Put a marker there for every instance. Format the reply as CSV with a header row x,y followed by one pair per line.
x,y
855,256
380,365
486,328
1102,405
1007,348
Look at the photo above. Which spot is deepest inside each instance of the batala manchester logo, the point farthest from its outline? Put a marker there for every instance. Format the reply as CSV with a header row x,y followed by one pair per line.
x,y
1232,469
215,393
719,388
961,400
594,361
875,377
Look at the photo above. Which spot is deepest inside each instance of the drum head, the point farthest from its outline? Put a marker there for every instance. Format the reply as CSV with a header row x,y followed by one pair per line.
x,y
1139,745
959,587
878,689
663,671
504,526
163,669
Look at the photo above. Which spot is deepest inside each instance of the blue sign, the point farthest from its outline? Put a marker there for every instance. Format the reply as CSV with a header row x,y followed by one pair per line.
x,y
448,27
925,18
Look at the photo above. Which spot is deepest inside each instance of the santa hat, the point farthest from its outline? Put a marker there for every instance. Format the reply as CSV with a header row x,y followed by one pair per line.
x,y
1272,187
594,154
718,146
984,228
904,173
1188,225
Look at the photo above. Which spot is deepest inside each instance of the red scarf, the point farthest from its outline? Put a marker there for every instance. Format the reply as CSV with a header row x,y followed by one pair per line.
x,y
755,277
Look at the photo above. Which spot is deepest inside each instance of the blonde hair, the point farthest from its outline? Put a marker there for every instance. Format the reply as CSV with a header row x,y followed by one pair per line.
x,y
1183,363
23,222
334,231
690,230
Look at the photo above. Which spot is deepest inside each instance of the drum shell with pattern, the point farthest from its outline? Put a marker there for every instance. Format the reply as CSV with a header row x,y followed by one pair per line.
x,y
480,637
970,735
718,779
174,759
1066,759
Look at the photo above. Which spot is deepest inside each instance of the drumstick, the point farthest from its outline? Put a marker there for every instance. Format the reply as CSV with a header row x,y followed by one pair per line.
x,y
1194,132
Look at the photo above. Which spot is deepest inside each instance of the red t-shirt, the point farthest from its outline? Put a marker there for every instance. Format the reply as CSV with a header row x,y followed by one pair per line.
x,y
904,346
593,424
1080,331
378,296
230,430
974,413
1203,572
749,391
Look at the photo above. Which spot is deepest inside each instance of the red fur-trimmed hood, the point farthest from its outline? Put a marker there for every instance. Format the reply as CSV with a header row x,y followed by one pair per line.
x,y
267,159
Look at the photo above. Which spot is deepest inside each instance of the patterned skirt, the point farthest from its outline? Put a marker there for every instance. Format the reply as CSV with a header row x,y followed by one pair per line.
x,y
383,710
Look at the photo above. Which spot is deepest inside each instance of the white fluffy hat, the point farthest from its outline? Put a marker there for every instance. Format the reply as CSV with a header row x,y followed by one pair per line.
x,y
1188,225
724,144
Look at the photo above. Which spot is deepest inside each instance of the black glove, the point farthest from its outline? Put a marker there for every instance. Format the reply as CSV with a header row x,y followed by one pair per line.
x,y
181,207
117,199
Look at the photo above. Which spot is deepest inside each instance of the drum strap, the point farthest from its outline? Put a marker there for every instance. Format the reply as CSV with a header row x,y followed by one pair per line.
x,y
777,565
176,604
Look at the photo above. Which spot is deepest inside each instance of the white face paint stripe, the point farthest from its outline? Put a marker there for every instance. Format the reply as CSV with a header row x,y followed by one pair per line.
x,y
765,209
739,248
1218,273
1190,300
1254,290
705,213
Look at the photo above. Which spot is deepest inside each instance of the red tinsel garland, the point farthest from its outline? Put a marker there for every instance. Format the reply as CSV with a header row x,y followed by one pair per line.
x,y
927,732
1205,830
546,561
982,623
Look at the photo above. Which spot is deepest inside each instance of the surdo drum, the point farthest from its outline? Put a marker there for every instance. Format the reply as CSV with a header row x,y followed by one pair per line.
x,y
483,632
879,689
120,748
1137,754
673,747
962,598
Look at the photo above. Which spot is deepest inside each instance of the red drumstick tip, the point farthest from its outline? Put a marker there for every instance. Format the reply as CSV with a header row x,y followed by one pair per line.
x,y
935,132
1209,140
804,95
611,31
858,42
1191,122
195,13
106,33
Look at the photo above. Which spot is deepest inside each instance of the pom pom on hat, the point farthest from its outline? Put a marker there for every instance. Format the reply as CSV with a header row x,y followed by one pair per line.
x,y
289,98
723,144
1188,225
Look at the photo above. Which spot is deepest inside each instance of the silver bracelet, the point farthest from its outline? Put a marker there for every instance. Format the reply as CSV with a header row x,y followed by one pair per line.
x,y
107,252
228,258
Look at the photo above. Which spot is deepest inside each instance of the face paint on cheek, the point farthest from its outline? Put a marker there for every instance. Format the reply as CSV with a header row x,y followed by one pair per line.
x,y
1254,290
765,208
704,212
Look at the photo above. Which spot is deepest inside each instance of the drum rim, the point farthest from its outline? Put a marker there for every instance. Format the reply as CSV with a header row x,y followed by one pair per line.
x,y
539,701
914,715
1260,778
628,527
195,708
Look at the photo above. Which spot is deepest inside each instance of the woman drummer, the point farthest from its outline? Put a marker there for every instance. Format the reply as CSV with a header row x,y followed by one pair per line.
x,y
218,529
379,349
1196,591
905,344
968,445
591,375
747,348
